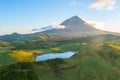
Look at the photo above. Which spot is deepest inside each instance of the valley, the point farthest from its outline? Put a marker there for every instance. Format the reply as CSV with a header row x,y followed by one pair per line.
x,y
97,54
92,61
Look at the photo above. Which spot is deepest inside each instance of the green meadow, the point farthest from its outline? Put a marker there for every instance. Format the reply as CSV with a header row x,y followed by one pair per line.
x,y
91,62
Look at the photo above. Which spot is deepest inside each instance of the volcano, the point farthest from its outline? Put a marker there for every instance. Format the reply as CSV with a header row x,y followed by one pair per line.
x,y
74,27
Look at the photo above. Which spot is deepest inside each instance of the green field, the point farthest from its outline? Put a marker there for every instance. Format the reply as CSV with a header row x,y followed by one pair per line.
x,y
92,62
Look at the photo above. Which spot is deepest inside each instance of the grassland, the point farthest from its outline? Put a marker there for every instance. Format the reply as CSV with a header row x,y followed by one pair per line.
x,y
97,61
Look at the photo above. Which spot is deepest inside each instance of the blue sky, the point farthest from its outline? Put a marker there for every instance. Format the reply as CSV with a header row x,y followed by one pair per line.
x,y
24,15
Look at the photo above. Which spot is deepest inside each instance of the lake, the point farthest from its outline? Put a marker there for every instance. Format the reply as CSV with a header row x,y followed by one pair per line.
x,y
63,55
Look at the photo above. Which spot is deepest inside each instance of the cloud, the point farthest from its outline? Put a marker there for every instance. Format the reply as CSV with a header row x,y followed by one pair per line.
x,y
104,4
54,25
43,29
96,24
73,3
57,26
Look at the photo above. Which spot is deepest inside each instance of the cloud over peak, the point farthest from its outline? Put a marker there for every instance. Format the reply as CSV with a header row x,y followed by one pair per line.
x,y
58,26
104,4
54,25
96,24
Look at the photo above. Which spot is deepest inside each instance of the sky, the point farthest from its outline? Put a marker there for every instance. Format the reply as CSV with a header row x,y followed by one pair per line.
x,y
22,16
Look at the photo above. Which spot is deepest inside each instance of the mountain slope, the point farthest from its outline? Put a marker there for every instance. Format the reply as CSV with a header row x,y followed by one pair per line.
x,y
74,27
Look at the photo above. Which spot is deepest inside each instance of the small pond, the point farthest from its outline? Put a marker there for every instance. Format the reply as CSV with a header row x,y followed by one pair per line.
x,y
55,55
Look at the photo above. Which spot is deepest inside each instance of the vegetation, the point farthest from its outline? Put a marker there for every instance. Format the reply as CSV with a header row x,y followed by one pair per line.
x,y
93,61
23,56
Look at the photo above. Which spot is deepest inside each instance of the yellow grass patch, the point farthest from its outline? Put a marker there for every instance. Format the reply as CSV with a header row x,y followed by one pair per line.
x,y
23,56
55,49
84,43
114,46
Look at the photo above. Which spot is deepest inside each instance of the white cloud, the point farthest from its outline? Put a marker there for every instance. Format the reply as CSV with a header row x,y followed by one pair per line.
x,y
96,24
43,28
104,25
111,26
73,3
57,26
54,25
104,4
